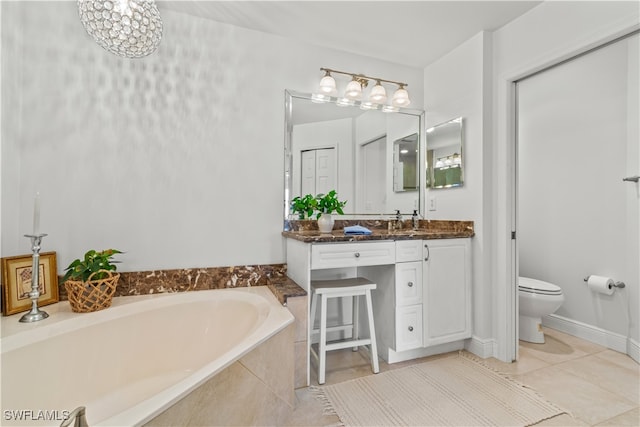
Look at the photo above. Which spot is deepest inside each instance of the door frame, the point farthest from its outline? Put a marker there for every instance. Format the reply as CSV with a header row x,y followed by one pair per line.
x,y
505,265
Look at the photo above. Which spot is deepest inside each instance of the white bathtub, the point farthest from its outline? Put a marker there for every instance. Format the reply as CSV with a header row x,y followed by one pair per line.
x,y
130,362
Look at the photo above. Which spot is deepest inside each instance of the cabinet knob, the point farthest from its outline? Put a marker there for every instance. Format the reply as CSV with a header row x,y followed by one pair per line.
x,y
410,284
357,254
410,328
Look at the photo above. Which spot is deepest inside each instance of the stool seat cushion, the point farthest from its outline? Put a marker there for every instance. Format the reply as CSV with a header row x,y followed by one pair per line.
x,y
359,283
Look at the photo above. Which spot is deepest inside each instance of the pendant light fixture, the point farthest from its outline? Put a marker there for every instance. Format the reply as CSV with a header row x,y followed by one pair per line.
x,y
128,28
353,92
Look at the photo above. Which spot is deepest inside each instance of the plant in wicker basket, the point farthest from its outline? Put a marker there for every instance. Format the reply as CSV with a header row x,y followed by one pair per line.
x,y
91,282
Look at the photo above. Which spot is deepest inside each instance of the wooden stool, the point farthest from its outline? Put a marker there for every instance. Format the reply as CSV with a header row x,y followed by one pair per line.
x,y
354,287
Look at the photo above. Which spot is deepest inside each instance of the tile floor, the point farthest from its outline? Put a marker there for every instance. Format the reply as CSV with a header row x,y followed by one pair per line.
x,y
595,385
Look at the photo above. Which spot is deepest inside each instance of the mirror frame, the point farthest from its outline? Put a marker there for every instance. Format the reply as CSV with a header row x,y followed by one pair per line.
x,y
290,95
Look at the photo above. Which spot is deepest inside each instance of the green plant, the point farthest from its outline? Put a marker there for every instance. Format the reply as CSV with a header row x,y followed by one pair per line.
x,y
329,203
304,206
93,262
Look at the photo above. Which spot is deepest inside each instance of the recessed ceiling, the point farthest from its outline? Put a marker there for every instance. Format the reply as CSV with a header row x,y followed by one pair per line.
x,y
413,33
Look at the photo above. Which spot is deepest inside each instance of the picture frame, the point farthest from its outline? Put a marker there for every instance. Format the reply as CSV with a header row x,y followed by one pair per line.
x,y
16,282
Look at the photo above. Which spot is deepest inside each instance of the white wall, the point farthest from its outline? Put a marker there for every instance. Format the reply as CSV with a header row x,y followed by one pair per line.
x,y
474,81
545,35
176,158
576,217
456,85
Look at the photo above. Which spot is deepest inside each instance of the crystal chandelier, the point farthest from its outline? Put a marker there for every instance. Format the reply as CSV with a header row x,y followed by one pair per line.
x,y
129,28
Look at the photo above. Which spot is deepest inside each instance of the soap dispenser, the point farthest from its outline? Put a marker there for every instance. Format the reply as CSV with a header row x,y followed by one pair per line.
x,y
415,221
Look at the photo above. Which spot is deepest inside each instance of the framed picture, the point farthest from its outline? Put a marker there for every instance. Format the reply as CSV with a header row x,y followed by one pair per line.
x,y
16,282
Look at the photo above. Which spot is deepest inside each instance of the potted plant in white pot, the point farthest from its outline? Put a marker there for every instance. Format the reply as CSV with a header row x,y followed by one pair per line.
x,y
304,206
327,204
91,282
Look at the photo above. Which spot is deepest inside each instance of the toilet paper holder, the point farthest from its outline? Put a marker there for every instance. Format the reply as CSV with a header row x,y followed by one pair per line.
x,y
618,285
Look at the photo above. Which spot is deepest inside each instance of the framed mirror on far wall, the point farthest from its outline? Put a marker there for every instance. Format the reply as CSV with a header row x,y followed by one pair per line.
x,y
445,165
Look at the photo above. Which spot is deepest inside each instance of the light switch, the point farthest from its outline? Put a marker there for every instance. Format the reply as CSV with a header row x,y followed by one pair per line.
x,y
432,203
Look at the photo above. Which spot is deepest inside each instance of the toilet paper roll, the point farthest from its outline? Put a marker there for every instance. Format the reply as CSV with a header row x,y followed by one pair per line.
x,y
603,285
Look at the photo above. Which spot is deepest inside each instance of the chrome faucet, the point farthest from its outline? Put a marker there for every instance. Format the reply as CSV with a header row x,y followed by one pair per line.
x,y
76,418
398,224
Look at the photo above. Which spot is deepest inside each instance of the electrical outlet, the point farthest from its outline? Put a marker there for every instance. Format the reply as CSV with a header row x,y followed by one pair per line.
x,y
432,203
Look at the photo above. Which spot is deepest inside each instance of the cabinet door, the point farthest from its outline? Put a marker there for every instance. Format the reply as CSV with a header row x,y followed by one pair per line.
x,y
447,290
409,327
408,283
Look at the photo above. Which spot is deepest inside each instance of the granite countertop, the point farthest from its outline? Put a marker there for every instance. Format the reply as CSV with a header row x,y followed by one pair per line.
x,y
284,287
307,231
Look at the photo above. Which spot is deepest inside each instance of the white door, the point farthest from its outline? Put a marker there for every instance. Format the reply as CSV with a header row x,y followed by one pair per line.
x,y
325,170
374,176
308,182
318,171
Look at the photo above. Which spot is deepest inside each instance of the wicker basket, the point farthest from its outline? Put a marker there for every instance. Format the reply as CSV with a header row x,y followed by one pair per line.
x,y
92,295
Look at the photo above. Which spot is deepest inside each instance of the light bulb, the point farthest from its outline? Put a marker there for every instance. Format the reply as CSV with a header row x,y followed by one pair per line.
x,y
328,84
353,90
378,94
401,97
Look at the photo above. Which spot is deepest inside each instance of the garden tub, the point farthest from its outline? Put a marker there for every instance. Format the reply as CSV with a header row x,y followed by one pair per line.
x,y
131,362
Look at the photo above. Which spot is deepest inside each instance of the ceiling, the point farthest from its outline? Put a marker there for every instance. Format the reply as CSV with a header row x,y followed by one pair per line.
x,y
412,33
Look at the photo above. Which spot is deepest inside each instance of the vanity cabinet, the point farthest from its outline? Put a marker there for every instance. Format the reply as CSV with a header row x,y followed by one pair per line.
x,y
422,302
408,295
447,290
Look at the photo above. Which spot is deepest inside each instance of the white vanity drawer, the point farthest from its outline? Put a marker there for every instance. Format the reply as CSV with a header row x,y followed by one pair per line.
x,y
408,250
408,327
408,283
337,255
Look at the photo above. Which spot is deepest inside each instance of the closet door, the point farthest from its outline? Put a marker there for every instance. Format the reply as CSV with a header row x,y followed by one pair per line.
x,y
318,171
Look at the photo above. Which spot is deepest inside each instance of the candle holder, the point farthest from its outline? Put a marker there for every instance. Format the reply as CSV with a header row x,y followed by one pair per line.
x,y
35,314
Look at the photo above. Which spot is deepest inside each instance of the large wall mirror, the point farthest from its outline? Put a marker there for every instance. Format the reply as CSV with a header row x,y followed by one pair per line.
x,y
444,155
370,157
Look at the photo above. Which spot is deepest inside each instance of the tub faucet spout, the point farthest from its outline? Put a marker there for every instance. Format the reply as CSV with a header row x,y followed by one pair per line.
x,y
76,418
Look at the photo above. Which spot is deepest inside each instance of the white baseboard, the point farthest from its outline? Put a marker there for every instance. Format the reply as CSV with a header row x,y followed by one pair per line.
x,y
393,356
483,348
633,349
594,334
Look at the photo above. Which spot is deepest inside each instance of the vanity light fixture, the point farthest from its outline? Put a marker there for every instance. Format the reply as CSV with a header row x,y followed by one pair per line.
x,y
390,109
378,93
328,84
128,28
368,106
401,97
344,102
353,91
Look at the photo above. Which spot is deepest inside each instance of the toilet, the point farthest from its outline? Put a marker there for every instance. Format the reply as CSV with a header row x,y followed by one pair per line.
x,y
537,299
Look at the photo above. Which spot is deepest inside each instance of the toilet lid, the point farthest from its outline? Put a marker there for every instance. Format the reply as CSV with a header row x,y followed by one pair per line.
x,y
535,286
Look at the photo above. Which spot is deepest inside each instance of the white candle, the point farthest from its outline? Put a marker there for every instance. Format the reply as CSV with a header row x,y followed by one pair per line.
x,y
36,215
